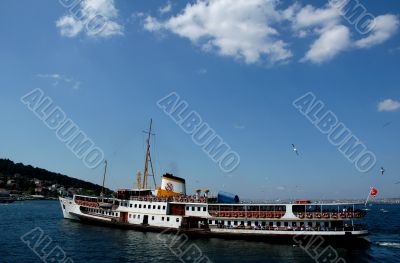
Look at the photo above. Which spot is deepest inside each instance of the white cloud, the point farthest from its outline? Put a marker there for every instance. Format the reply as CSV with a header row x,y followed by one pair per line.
x,y
96,18
57,78
256,30
310,16
331,42
152,24
166,9
388,105
69,26
381,30
239,28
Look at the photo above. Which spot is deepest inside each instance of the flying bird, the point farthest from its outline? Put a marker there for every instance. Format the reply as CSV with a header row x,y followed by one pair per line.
x,y
386,124
382,170
295,149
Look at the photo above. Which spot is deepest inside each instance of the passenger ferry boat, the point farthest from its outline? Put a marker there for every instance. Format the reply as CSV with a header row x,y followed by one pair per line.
x,y
168,207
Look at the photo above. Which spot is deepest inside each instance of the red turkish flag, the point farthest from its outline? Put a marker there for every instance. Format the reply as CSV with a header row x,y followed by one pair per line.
x,y
373,192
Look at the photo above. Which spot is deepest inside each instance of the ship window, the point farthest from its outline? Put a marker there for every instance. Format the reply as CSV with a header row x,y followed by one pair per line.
x,y
64,206
204,209
130,205
326,224
138,216
229,223
163,207
301,223
152,218
135,205
271,224
242,223
318,224
144,206
154,207
162,218
198,208
235,223
187,208
294,224
263,223
286,223
249,223
159,207
278,223
134,216
309,223
140,206
256,223
192,208
210,222
130,216
167,218
177,220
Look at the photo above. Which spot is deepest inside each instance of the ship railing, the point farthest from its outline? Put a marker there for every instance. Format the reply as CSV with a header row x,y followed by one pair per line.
x,y
182,199
298,228
87,203
330,215
248,214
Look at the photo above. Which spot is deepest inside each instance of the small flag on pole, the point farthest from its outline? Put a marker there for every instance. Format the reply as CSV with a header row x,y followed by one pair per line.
x,y
373,192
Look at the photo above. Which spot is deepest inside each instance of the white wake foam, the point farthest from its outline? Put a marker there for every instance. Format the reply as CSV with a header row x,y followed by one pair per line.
x,y
388,244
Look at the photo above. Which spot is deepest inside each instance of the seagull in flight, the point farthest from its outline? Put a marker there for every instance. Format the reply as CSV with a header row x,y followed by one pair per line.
x,y
386,124
295,149
382,170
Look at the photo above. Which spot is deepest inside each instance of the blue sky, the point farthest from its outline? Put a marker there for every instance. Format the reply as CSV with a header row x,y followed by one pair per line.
x,y
239,64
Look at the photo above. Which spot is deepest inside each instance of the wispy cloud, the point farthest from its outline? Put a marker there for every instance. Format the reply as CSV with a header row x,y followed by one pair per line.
x,y
95,18
239,126
281,188
394,50
58,78
165,9
202,71
388,105
384,27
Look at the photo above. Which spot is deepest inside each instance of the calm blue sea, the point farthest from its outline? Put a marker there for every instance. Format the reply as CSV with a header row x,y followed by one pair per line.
x,y
86,243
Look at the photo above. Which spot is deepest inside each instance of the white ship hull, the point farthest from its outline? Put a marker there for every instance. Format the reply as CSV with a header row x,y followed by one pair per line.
x,y
196,220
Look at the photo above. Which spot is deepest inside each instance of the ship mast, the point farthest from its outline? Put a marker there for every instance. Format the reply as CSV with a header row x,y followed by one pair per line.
x,y
148,159
104,178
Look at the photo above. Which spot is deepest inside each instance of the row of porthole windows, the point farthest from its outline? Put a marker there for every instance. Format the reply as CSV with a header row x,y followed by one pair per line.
x,y
102,212
193,208
264,223
134,216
